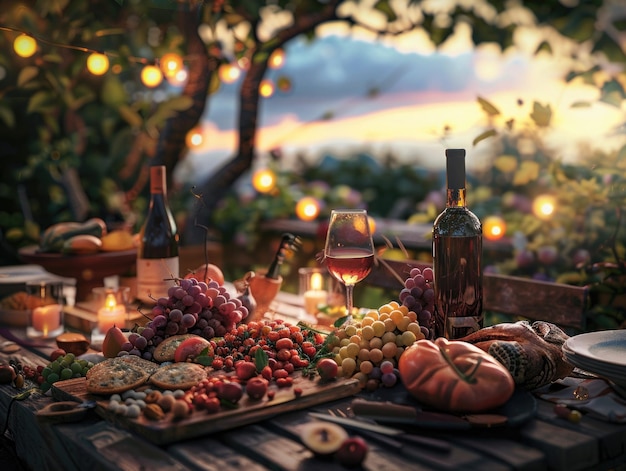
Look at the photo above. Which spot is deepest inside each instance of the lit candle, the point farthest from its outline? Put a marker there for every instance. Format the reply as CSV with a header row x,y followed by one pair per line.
x,y
112,314
316,295
46,319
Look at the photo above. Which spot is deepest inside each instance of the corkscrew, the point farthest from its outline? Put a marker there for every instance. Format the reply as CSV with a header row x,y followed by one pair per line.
x,y
288,243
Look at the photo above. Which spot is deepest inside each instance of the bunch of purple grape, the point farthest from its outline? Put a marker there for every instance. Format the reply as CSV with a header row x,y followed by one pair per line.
x,y
418,295
192,306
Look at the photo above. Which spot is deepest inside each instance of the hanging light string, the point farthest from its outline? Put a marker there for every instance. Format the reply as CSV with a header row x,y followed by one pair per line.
x,y
40,39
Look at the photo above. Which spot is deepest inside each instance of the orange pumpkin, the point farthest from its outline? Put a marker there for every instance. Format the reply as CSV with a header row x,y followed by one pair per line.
x,y
454,376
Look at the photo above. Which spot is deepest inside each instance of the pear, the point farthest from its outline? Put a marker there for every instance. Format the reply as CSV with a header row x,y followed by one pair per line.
x,y
113,341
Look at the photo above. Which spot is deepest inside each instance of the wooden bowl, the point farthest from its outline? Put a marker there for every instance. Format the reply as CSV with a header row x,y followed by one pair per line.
x,y
88,270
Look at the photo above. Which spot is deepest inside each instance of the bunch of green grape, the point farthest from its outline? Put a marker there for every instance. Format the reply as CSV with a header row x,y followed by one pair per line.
x,y
63,367
369,347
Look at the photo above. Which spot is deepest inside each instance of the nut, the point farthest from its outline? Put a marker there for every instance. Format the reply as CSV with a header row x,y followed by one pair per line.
x,y
153,412
153,397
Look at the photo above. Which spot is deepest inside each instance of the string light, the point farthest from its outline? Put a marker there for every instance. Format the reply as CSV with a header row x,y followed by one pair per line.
x,y
194,138
494,228
277,59
228,73
24,45
266,88
264,180
151,76
308,208
544,206
97,63
171,64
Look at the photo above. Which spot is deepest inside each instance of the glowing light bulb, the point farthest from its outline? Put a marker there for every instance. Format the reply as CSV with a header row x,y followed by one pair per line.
x,y
171,63
266,88
97,63
544,206
151,76
307,209
264,180
24,45
194,138
277,59
228,73
494,228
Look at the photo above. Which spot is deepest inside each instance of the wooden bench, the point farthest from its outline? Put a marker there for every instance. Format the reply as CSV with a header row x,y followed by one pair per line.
x,y
561,304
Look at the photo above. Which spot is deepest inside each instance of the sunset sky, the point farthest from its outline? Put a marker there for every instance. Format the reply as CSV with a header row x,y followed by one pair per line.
x,y
420,93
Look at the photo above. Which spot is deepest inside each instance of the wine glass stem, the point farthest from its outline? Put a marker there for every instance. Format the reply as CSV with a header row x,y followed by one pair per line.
x,y
349,301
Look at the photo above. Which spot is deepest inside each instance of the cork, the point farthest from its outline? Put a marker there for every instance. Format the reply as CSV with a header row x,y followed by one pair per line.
x,y
455,168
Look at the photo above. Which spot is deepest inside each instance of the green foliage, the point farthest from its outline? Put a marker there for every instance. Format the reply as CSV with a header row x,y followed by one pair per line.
x,y
583,242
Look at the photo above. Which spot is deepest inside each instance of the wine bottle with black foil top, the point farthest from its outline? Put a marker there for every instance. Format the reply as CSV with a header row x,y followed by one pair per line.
x,y
157,257
457,258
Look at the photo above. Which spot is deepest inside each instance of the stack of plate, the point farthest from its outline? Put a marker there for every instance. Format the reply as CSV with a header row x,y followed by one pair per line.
x,y
601,353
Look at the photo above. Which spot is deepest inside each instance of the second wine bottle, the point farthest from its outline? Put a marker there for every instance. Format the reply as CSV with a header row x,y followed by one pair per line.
x,y
157,256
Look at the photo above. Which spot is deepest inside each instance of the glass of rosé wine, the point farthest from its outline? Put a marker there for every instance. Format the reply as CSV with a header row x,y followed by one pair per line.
x,y
349,250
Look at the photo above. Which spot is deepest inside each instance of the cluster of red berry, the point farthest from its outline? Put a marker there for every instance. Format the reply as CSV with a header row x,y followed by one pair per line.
x,y
288,347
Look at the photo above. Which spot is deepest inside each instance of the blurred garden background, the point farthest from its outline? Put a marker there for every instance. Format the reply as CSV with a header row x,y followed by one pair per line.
x,y
375,92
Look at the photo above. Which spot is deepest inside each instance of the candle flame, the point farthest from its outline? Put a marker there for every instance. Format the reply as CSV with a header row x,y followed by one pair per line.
x,y
110,303
316,281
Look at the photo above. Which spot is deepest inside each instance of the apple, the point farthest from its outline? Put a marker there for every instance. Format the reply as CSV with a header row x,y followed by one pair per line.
x,y
190,348
113,341
352,452
245,370
256,387
207,272
327,368
229,391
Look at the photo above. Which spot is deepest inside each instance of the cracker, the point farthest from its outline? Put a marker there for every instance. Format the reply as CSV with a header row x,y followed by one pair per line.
x,y
165,350
119,374
178,376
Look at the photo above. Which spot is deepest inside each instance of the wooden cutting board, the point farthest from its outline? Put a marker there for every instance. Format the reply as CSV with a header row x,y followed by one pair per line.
x,y
199,423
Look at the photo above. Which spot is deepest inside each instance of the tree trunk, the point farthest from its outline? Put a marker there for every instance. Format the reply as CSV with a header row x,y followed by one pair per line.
x,y
216,186
201,66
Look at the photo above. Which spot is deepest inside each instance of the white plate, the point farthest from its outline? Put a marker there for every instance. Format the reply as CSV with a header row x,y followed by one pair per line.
x,y
608,347
595,367
618,378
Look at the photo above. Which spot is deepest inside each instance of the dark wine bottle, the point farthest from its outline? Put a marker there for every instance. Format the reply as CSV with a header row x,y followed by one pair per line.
x,y
287,242
157,257
457,258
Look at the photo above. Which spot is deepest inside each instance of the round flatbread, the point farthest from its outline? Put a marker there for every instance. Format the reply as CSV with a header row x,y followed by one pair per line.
x,y
165,350
178,376
119,374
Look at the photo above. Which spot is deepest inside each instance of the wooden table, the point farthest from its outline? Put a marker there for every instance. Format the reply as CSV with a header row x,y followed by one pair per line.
x,y
544,442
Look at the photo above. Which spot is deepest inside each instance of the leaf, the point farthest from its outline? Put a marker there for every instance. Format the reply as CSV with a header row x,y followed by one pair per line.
x,y
541,115
27,74
581,104
384,7
39,102
130,116
260,359
6,115
612,93
544,46
483,136
488,107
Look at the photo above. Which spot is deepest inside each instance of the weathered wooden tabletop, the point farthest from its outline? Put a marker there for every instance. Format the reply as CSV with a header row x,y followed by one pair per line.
x,y
543,442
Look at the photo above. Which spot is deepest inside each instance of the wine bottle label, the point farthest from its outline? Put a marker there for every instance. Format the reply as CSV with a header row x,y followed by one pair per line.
x,y
154,277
